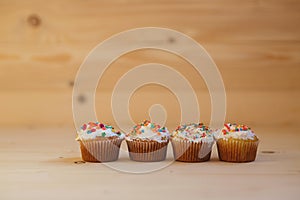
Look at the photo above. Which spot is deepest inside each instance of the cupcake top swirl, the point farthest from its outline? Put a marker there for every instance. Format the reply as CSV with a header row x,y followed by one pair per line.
x,y
147,131
93,130
236,131
194,132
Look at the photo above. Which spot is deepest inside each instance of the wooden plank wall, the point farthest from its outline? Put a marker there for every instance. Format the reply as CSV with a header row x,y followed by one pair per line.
x,y
255,43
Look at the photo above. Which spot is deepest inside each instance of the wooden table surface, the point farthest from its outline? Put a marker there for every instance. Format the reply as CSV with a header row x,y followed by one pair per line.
x,y
41,164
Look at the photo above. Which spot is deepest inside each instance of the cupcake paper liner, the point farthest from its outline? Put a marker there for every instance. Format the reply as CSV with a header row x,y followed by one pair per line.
x,y
233,150
147,151
186,151
100,150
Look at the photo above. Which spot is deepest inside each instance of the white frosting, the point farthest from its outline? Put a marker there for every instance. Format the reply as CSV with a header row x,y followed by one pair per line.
x,y
234,132
193,133
86,134
149,132
98,133
244,135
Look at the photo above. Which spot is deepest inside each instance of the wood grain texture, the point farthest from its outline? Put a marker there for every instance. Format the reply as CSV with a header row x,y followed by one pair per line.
x,y
54,108
41,164
255,44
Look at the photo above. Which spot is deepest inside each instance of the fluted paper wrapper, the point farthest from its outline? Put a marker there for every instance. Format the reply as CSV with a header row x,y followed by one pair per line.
x,y
147,151
232,150
186,151
104,150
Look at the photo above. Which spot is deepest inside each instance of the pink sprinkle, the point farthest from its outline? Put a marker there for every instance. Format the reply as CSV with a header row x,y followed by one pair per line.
x,y
227,126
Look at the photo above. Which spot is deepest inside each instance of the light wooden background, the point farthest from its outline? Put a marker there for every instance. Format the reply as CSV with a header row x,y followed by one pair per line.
x,y
255,44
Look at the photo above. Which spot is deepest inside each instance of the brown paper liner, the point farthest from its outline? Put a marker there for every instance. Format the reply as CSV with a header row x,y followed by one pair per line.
x,y
147,151
186,151
233,150
100,150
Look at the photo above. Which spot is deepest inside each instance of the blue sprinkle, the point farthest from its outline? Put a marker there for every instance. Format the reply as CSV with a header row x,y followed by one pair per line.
x,y
143,131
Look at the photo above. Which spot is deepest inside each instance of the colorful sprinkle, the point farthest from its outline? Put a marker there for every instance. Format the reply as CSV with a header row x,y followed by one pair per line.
x,y
84,127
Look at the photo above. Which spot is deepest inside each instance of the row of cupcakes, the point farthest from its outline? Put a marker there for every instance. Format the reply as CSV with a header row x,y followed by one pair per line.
x,y
147,142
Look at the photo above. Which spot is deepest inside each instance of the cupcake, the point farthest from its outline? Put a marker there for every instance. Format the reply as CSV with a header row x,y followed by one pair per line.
x,y
192,143
99,142
236,143
148,142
